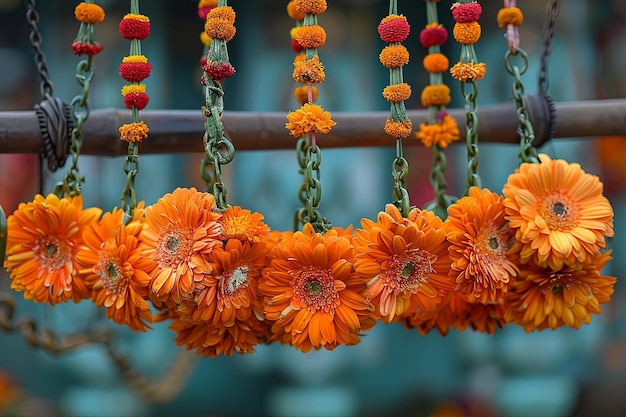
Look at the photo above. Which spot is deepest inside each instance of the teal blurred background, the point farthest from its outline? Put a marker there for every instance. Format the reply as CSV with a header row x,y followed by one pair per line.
x,y
393,372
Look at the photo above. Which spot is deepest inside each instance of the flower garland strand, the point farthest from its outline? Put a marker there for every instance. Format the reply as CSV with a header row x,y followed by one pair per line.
x,y
394,29
510,17
300,92
310,119
43,235
220,29
133,69
441,129
88,14
468,70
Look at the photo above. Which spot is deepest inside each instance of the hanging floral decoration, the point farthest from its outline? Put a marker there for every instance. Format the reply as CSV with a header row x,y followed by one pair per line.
x,y
224,282
88,14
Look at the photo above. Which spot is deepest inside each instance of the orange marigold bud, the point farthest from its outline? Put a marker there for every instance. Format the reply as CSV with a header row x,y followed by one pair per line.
x,y
89,13
436,62
510,16
435,95
310,6
398,128
466,33
397,92
311,36
308,70
394,56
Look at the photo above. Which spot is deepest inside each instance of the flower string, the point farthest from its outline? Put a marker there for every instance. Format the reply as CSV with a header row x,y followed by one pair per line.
x,y
441,129
220,29
133,69
310,119
88,14
394,29
468,70
510,17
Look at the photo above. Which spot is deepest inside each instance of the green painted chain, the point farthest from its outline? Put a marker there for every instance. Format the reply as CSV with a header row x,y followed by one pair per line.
x,y
310,192
526,131
471,126
79,110
218,149
399,172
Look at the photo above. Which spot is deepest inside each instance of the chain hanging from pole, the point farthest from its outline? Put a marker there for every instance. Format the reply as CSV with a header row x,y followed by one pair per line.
x,y
549,28
216,66
55,121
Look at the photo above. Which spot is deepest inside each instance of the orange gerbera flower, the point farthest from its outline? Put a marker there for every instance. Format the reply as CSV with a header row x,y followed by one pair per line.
x,y
43,238
312,292
542,298
244,225
405,261
460,312
213,341
480,238
180,231
558,212
115,271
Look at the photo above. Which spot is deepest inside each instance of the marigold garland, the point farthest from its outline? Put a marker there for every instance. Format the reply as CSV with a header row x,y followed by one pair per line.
x,y
88,14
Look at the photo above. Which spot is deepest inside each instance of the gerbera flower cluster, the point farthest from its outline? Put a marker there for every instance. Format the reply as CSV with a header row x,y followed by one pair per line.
x,y
134,69
441,129
88,14
393,30
307,37
561,221
467,31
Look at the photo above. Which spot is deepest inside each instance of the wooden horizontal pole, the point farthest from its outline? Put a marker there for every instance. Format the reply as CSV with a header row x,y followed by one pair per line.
x,y
181,131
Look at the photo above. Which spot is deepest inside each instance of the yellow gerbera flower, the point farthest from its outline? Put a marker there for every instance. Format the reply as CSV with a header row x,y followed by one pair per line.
x,y
541,298
558,212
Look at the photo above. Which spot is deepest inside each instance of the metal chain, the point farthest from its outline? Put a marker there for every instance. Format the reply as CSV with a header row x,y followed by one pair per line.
x,y
526,131
79,110
399,172
131,169
471,126
32,17
549,29
438,181
310,192
218,149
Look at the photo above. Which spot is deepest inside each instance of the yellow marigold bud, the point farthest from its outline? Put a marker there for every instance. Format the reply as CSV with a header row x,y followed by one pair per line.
x,y
133,88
